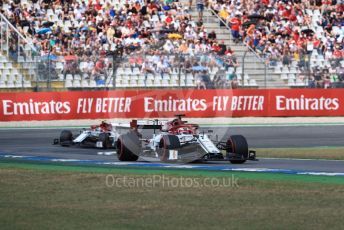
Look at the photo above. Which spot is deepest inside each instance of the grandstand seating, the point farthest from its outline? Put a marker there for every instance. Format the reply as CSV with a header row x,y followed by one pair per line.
x,y
307,18
20,70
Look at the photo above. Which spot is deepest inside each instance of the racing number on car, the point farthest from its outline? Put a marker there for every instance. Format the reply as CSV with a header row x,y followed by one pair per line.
x,y
99,144
173,155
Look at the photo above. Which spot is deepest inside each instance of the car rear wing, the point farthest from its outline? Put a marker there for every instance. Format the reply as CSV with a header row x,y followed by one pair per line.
x,y
140,124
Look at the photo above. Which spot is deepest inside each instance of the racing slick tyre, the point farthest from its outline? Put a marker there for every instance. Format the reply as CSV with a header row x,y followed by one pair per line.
x,y
66,138
167,143
128,147
238,146
105,139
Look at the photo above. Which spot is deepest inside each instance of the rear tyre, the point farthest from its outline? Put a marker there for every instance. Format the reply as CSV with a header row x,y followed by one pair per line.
x,y
66,138
105,138
238,145
166,143
128,147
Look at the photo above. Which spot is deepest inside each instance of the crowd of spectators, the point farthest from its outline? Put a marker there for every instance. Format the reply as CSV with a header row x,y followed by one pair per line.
x,y
91,31
209,70
332,77
287,30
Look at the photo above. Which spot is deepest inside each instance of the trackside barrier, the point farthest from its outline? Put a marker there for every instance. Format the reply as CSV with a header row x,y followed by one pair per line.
x,y
162,103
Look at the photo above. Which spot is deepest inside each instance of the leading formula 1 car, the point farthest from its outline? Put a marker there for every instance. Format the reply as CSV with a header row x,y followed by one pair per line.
x,y
171,141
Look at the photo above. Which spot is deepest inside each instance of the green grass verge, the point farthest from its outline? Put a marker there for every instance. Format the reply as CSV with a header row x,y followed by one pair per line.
x,y
329,153
17,164
38,196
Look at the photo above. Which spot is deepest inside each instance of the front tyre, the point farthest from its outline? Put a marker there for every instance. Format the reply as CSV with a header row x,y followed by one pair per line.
x,y
167,142
238,146
128,147
105,139
66,138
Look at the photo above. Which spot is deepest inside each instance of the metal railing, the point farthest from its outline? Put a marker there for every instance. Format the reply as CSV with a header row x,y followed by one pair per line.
x,y
12,43
258,61
160,69
139,69
18,55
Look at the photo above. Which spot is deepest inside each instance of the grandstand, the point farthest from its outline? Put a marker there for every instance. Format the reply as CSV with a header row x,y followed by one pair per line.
x,y
97,44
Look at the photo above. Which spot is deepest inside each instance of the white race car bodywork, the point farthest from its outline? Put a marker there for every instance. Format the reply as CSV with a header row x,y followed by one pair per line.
x,y
203,140
171,140
113,135
206,145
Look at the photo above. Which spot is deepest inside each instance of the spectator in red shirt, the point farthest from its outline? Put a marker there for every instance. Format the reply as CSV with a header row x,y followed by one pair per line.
x,y
337,53
215,47
168,19
235,27
265,2
295,35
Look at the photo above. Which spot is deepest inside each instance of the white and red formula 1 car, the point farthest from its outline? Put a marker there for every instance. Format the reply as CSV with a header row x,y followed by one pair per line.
x,y
172,141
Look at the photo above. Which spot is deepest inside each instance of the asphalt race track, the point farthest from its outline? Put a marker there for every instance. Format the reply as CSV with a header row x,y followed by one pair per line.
x,y
38,143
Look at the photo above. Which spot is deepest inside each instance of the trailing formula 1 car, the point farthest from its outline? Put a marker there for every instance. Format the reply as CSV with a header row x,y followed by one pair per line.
x,y
171,141
98,136
103,136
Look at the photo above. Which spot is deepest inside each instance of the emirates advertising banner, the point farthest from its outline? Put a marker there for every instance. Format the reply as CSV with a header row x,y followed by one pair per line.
x,y
167,103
